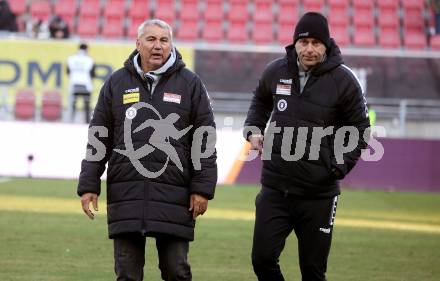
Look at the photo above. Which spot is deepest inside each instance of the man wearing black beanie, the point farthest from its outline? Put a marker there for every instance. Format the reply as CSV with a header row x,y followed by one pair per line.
x,y
309,90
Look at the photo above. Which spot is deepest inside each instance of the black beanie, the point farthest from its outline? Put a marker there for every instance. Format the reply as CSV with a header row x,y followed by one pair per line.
x,y
312,25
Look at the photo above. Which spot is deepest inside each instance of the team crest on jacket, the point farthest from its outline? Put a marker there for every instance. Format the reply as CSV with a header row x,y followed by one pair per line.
x,y
131,113
282,105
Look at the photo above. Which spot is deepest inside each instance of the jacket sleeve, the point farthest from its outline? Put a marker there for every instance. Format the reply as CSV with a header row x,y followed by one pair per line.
x,y
99,145
204,178
354,112
261,105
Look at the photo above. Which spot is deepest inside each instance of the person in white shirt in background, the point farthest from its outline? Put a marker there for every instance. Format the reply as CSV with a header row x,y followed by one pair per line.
x,y
81,71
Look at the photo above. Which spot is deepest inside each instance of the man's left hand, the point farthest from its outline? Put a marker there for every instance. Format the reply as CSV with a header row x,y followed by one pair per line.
x,y
198,205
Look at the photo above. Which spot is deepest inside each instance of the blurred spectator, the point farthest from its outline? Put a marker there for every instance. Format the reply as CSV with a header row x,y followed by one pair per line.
x,y
58,28
37,28
435,4
81,70
7,18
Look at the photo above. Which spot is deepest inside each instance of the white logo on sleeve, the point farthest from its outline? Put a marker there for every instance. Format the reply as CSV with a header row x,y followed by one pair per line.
x,y
325,230
131,113
282,105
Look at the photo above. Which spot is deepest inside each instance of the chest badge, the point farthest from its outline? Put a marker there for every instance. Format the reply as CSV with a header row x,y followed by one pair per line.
x,y
283,89
282,105
170,97
131,113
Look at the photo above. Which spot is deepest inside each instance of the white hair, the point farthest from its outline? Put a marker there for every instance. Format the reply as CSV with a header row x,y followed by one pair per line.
x,y
157,22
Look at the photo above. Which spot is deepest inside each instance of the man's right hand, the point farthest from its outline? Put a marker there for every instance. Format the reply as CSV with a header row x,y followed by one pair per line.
x,y
86,198
256,142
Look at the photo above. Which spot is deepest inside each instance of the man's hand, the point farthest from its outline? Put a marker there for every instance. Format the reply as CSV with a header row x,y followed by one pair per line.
x,y
198,205
256,142
86,198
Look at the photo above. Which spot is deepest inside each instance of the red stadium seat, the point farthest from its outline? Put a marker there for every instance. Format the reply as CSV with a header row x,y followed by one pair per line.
x,y
113,28
363,18
414,22
335,4
165,11
238,12
389,38
388,19
415,41
18,7
363,5
237,33
213,11
41,9
132,29
188,31
285,34
189,11
435,42
114,9
388,4
88,27
66,9
288,15
213,32
24,104
90,9
364,37
263,12
338,17
341,35
262,33
51,106
413,5
313,5
139,10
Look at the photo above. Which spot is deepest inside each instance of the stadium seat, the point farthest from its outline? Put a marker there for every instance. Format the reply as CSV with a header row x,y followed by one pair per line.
x,y
139,11
363,18
88,27
213,11
51,106
41,9
341,35
24,104
262,33
66,9
263,12
388,19
338,17
188,31
364,37
285,34
313,5
363,5
213,32
237,33
165,11
114,9
288,15
413,21
415,41
413,5
337,4
189,11
388,5
435,42
113,28
238,12
389,38
90,9
18,7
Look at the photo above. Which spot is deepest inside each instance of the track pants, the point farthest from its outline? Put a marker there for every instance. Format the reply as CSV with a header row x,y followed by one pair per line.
x,y
276,216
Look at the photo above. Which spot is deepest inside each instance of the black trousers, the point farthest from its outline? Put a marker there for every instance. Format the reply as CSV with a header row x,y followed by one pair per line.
x,y
276,216
86,99
129,253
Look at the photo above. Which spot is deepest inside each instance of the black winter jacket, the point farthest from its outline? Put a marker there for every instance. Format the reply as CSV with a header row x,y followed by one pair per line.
x,y
136,203
332,96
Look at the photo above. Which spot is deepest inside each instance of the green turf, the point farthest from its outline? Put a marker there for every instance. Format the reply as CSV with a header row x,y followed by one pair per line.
x,y
40,246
